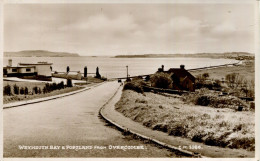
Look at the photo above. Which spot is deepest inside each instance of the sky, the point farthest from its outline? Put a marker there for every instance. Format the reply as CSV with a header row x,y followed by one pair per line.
x,y
118,29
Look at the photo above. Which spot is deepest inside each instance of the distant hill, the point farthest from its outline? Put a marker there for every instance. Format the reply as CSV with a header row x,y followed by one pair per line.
x,y
228,55
39,53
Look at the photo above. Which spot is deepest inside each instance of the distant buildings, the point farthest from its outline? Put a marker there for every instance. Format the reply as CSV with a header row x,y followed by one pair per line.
x,y
182,79
40,70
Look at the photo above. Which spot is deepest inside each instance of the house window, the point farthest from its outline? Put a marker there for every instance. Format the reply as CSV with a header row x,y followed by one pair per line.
x,y
28,69
14,70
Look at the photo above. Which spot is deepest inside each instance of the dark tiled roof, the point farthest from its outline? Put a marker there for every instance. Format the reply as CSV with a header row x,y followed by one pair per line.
x,y
181,73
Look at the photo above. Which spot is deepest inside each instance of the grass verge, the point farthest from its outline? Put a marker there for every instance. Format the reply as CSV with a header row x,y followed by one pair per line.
x,y
219,127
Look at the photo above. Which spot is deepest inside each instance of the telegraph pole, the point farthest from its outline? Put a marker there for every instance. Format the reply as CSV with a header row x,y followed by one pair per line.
x,y
127,73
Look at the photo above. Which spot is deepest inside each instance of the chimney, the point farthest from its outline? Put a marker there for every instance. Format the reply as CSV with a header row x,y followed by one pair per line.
x,y
10,62
182,66
162,67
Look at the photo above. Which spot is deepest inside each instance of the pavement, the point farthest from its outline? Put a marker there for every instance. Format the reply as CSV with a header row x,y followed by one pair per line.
x,y
38,100
177,143
54,80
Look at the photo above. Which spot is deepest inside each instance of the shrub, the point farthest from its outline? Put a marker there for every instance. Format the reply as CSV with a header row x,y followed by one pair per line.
x,y
205,75
217,83
69,83
103,78
35,90
53,86
147,78
44,90
16,89
7,90
26,92
133,86
161,80
61,85
22,90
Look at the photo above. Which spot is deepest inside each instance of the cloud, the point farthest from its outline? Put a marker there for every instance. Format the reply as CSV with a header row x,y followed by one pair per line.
x,y
224,29
106,29
103,24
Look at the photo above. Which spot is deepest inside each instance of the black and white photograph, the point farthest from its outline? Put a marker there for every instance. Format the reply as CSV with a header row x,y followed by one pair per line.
x,y
116,79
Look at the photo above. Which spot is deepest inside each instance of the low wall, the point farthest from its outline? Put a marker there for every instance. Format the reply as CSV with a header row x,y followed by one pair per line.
x,y
67,76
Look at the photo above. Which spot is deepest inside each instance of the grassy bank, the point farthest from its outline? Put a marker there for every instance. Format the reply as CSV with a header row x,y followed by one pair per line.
x,y
219,127
30,96
206,115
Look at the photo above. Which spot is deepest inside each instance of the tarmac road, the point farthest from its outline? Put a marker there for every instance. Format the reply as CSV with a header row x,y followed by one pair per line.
x,y
67,122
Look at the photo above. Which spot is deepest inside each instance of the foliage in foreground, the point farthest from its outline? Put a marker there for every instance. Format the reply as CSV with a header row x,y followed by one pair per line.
x,y
135,85
205,97
161,80
218,127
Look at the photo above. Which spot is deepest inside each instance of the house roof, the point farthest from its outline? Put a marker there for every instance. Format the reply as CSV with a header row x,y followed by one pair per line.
x,y
44,63
20,66
181,73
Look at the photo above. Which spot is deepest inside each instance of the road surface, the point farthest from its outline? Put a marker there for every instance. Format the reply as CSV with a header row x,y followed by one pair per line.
x,y
69,122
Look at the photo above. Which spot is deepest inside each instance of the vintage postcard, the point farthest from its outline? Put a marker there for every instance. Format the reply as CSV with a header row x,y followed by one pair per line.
x,y
122,79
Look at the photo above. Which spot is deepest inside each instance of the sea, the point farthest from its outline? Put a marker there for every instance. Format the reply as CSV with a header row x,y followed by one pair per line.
x,y
111,67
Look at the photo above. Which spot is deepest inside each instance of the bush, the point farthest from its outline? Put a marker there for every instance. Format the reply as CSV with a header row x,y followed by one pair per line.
x,y
7,90
205,75
103,78
69,83
134,86
61,85
48,88
35,90
53,86
208,84
26,92
22,90
161,80
16,89
44,90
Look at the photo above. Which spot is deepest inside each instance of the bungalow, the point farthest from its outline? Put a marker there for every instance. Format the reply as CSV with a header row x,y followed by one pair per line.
x,y
40,70
182,79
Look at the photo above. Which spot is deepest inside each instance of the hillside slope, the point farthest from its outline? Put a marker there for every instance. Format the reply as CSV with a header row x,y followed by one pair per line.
x,y
39,53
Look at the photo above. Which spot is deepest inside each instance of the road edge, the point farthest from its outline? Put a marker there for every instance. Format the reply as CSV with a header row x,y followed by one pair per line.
x,y
38,100
125,129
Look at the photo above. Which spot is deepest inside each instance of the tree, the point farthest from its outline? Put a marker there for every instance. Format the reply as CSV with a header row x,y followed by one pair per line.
x,y
22,90
35,89
26,92
16,89
69,83
161,80
7,90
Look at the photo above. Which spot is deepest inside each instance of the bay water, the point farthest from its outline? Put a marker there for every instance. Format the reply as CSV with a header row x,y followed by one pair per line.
x,y
111,67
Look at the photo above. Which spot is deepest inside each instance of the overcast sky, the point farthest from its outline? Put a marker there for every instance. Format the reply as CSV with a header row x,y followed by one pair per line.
x,y
113,29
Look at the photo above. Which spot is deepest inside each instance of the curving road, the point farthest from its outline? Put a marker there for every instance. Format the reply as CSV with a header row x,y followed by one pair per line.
x,y
70,121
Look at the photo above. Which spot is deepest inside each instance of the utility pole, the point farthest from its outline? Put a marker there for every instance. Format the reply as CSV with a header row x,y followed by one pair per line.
x,y
127,73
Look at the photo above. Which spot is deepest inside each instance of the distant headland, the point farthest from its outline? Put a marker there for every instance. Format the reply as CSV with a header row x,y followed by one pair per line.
x,y
39,53
228,55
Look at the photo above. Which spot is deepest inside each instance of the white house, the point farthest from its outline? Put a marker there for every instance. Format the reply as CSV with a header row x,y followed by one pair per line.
x,y
40,70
